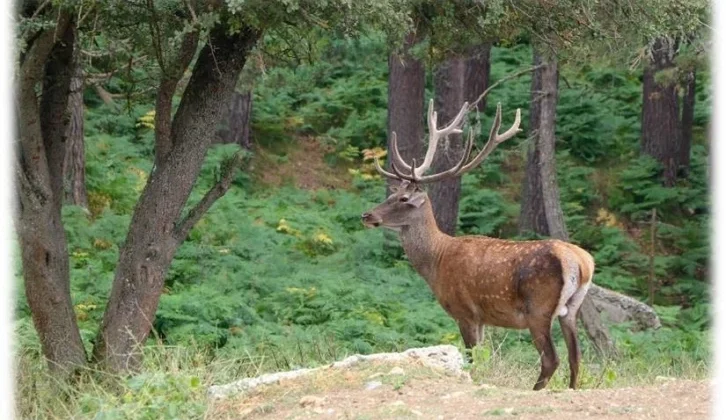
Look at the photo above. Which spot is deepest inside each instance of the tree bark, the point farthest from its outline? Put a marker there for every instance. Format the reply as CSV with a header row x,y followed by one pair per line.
x,y
74,165
157,227
236,125
541,208
406,87
457,80
449,80
39,177
532,216
661,133
689,105
476,79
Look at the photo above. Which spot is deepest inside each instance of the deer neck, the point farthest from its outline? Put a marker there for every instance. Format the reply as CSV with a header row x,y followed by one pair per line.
x,y
424,243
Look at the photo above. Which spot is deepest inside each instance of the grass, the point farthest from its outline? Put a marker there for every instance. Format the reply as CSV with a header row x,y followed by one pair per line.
x,y
498,362
173,381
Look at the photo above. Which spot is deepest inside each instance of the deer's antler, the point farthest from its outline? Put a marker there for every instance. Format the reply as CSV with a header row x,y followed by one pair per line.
x,y
399,166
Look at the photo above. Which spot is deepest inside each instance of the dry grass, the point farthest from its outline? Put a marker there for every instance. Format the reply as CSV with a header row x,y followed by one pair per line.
x,y
174,380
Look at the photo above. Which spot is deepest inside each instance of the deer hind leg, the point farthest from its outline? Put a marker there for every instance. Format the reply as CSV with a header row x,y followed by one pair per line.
x,y
568,323
472,334
542,336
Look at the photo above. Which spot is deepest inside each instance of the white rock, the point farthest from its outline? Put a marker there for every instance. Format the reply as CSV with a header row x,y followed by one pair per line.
x,y
397,371
370,386
446,357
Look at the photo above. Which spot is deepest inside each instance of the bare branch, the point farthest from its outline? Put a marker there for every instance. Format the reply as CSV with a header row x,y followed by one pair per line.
x,y
500,81
181,230
156,34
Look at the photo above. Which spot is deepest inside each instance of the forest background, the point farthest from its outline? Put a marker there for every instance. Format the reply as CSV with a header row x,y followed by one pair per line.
x,y
268,267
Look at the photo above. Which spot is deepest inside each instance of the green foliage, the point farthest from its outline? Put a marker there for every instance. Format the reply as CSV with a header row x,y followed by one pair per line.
x,y
341,98
484,211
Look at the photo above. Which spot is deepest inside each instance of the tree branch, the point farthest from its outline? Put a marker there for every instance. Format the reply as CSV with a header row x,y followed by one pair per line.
x,y
500,81
33,62
219,189
165,94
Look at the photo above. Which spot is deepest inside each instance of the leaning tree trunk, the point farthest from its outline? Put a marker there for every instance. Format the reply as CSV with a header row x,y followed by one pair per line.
x,y
406,86
39,176
74,164
157,227
541,209
661,134
236,125
449,80
689,105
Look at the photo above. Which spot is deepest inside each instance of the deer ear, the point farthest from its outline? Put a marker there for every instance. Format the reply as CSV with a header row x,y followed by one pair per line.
x,y
416,200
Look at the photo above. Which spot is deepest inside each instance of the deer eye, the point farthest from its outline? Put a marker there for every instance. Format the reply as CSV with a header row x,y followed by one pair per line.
x,y
403,199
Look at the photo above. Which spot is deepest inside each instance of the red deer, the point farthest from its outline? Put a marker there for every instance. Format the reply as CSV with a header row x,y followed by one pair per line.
x,y
480,280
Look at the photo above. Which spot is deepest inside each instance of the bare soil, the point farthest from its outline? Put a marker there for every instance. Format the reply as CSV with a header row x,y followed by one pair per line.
x,y
419,392
303,166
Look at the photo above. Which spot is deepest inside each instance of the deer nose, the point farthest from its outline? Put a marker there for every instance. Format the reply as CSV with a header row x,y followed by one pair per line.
x,y
365,215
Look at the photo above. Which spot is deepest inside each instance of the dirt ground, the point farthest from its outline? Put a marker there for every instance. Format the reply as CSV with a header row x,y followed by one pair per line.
x,y
386,391
304,167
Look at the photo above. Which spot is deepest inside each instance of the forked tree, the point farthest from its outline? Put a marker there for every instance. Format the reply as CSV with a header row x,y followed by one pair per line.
x,y
480,280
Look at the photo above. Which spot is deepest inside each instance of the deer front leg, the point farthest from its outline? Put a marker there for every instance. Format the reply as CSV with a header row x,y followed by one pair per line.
x,y
472,334
542,336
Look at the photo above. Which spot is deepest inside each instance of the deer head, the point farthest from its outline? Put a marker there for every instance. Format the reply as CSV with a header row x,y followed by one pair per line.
x,y
409,204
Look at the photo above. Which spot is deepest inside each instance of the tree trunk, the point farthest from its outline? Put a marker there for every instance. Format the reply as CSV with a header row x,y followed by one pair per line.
x,y
476,79
532,218
157,227
74,164
39,177
661,128
406,87
449,80
689,105
236,125
541,208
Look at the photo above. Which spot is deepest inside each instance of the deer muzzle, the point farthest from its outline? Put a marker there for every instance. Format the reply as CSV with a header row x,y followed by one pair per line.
x,y
370,220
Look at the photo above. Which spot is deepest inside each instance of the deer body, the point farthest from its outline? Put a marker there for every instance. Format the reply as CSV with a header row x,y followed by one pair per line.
x,y
486,281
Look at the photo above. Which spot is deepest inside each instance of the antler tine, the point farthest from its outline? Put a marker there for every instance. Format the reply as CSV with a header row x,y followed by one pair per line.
x,y
435,134
513,130
396,154
455,170
400,174
494,138
383,171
